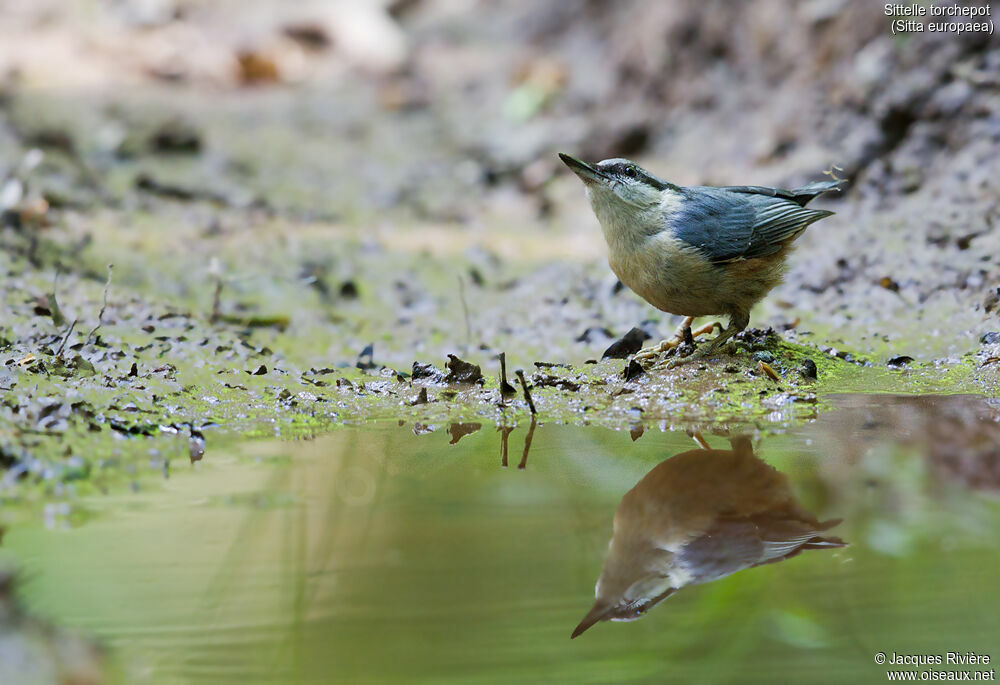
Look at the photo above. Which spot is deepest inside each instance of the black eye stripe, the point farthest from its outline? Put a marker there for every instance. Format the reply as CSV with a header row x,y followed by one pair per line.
x,y
625,169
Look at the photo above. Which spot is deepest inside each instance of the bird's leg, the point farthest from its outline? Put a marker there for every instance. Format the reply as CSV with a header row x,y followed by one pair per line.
x,y
707,328
734,327
737,323
683,335
700,439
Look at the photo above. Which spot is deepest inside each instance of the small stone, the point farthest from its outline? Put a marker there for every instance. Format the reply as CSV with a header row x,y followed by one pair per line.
x,y
348,290
990,338
763,356
461,371
632,371
809,369
627,345
366,361
427,370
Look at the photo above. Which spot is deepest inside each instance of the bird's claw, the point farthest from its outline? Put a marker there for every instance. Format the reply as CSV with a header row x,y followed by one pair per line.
x,y
677,361
652,353
680,336
684,337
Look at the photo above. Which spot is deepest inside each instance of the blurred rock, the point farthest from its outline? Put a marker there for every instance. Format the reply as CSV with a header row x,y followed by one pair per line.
x,y
176,136
367,35
309,35
35,652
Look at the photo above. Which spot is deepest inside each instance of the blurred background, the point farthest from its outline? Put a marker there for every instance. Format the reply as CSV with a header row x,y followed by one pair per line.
x,y
298,148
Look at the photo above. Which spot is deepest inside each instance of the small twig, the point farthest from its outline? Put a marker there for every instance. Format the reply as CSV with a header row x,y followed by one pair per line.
x,y
62,345
832,172
53,301
524,387
527,444
215,270
465,312
217,301
506,389
183,193
100,315
504,435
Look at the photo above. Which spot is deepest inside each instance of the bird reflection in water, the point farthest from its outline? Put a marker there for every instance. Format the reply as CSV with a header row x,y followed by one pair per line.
x,y
697,517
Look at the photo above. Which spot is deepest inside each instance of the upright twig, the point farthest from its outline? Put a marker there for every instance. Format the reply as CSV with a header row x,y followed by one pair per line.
x,y
104,306
506,389
527,394
216,301
527,444
53,301
69,331
215,271
504,436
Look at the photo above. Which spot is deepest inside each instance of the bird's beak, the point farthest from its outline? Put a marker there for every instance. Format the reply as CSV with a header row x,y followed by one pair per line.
x,y
595,615
586,172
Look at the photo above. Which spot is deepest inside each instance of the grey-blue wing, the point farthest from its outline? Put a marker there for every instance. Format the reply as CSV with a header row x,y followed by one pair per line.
x,y
731,545
728,225
727,547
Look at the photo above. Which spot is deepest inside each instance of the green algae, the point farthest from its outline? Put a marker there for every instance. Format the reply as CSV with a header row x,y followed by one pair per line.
x,y
278,356
243,311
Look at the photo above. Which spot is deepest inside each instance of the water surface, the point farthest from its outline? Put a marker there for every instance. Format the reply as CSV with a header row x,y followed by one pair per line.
x,y
374,554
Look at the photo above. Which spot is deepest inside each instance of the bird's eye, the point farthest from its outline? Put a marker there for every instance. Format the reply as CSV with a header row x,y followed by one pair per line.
x,y
630,172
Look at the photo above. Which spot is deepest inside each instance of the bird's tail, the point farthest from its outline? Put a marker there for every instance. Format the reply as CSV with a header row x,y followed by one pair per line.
x,y
801,196
807,193
824,541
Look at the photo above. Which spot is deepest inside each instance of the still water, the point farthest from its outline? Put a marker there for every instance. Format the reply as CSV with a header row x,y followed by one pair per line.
x,y
376,554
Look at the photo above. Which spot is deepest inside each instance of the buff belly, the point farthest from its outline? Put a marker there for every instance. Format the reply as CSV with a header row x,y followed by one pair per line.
x,y
678,280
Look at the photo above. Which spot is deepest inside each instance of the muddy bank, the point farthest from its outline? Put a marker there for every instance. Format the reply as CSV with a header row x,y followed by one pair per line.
x,y
296,217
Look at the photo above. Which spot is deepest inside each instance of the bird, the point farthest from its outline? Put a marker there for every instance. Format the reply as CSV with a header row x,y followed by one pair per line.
x,y
696,250
697,517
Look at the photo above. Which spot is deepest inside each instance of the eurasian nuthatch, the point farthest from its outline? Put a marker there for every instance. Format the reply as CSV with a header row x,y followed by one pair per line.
x,y
697,517
699,250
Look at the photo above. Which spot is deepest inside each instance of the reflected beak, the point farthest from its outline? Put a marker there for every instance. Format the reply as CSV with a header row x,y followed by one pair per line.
x,y
586,172
596,613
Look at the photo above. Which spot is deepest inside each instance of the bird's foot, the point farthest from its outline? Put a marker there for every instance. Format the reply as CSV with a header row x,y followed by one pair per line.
x,y
648,354
651,353
684,350
683,336
674,362
705,350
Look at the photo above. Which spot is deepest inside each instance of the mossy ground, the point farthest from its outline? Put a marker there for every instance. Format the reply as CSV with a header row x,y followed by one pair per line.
x,y
266,336
252,272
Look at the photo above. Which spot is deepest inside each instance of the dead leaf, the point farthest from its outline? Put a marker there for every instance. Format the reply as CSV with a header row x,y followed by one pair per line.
x,y
628,344
460,371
